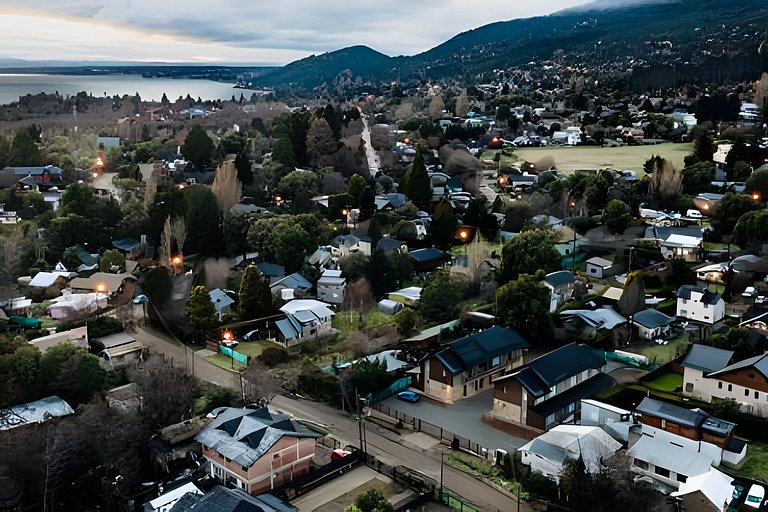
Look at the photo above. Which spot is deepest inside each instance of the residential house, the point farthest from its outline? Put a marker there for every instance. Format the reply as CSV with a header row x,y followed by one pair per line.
x,y
673,444
706,492
271,271
118,349
600,268
111,284
548,390
170,497
38,411
8,217
587,324
560,286
469,365
699,361
257,450
745,381
699,305
426,260
652,323
678,242
331,287
292,286
47,285
77,336
17,306
548,452
390,245
222,499
614,420
408,296
222,302
304,319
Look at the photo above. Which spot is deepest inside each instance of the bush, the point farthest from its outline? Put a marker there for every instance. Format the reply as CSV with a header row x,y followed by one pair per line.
x,y
212,398
272,356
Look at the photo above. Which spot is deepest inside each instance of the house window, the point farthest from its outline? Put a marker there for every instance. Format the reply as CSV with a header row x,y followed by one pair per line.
x,y
746,392
719,385
496,361
706,306
663,423
757,395
706,317
685,301
689,387
730,387
682,478
443,372
641,464
661,471
683,312
751,375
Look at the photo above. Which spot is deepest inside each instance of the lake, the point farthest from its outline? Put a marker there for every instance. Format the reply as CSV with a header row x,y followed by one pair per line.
x,y
14,85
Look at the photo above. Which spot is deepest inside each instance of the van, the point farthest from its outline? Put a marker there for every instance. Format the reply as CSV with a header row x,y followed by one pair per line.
x,y
693,214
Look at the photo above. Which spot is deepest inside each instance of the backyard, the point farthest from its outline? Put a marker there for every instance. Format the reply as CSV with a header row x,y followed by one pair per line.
x,y
756,466
662,354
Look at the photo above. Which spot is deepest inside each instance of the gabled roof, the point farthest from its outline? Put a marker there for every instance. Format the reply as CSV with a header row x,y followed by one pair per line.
x,y
714,485
580,391
599,262
706,359
467,352
759,363
687,290
389,245
271,269
293,281
573,441
84,256
544,372
320,309
676,458
288,329
652,318
221,499
244,435
46,279
604,318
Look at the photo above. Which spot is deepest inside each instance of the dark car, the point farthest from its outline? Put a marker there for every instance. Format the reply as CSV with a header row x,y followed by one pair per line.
x,y
408,396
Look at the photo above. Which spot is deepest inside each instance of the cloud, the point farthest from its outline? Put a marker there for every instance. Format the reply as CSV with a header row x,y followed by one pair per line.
x,y
236,31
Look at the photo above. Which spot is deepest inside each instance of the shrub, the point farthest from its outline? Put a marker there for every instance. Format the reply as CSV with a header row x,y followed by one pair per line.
x,y
272,356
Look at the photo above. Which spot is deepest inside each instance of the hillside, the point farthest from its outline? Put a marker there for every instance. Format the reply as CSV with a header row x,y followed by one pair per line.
x,y
315,70
703,36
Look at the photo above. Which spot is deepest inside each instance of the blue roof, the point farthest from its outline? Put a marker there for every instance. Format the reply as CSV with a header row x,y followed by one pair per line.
x,y
220,299
294,281
287,329
424,255
467,352
651,318
84,256
271,269
126,244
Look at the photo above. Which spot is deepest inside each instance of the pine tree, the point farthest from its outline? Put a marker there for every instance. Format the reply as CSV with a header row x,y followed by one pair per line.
x,y
200,312
419,188
254,295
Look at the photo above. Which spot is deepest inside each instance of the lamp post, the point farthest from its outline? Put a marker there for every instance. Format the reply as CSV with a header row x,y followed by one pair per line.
x,y
756,198
177,262
227,335
503,181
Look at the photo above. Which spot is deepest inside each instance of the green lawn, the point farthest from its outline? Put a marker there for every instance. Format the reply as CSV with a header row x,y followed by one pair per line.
x,y
668,382
756,466
662,354
253,348
225,362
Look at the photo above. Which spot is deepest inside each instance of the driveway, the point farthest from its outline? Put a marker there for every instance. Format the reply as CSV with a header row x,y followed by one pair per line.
x,y
463,418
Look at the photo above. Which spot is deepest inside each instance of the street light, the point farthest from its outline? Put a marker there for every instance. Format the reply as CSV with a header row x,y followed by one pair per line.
x,y
278,200
101,288
502,180
463,234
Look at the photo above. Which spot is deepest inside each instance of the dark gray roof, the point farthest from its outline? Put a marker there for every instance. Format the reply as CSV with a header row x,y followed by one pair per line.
x,y
293,281
559,278
651,318
544,372
706,359
423,255
759,363
686,291
271,269
582,390
221,499
244,435
467,352
695,418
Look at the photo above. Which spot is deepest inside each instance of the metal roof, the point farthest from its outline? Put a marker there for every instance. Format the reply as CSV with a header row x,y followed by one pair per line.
x,y
467,352
36,412
220,299
585,389
244,435
687,290
423,255
695,418
293,281
652,318
759,363
663,453
599,262
706,359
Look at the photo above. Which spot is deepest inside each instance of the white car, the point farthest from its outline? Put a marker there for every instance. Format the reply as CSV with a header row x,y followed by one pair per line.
x,y
693,214
755,496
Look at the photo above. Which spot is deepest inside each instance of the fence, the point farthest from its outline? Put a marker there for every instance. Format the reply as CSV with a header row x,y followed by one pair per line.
x,y
456,441
455,502
237,356
395,387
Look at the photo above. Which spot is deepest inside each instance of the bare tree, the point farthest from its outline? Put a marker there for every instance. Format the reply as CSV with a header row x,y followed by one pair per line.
x,y
164,249
12,249
436,107
761,91
179,232
462,104
665,182
259,385
359,296
168,392
150,192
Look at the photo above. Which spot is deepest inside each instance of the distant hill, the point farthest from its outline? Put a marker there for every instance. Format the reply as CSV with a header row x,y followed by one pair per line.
x,y
315,70
713,35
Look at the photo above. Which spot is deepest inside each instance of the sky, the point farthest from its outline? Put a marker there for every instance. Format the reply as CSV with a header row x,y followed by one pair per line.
x,y
240,31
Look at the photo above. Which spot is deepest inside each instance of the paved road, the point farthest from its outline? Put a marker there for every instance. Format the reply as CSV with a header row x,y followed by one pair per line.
x,y
373,164
385,445
462,418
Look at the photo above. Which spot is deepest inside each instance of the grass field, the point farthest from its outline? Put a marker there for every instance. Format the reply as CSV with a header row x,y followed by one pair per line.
x,y
756,466
667,382
569,159
662,354
225,362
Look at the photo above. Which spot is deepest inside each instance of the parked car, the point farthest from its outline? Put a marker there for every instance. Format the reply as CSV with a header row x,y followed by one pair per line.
x,y
693,214
252,335
230,343
408,396
755,496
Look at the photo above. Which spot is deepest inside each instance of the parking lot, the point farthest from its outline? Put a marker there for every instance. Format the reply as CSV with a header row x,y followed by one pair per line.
x,y
462,418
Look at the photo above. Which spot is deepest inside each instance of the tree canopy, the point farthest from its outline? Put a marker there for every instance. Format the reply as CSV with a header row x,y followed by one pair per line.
x,y
527,253
255,297
523,305
198,147
200,312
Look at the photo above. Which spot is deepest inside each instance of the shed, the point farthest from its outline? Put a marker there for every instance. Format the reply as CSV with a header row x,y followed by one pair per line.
x,y
599,267
390,307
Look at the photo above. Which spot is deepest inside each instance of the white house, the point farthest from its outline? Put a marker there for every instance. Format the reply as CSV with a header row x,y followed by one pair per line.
x,y
560,286
699,361
547,453
599,267
652,324
304,319
331,287
697,304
